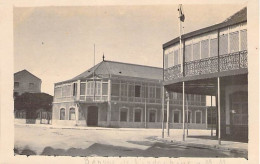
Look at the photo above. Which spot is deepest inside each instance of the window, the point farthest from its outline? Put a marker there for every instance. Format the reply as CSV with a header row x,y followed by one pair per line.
x,y
66,91
31,85
196,51
204,49
137,91
123,90
137,116
152,116
176,57
151,92
170,59
239,112
243,36
198,115
62,114
188,53
104,88
115,90
16,84
166,61
57,92
234,41
123,115
72,114
176,116
213,47
82,88
158,93
97,87
74,89
130,90
223,44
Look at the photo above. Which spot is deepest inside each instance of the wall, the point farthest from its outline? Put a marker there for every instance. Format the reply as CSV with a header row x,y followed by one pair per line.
x,y
24,78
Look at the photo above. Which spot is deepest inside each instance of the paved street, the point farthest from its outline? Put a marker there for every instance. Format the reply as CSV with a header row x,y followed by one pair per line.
x,y
45,140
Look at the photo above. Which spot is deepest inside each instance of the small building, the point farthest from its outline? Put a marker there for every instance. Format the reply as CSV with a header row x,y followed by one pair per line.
x,y
115,94
24,81
213,61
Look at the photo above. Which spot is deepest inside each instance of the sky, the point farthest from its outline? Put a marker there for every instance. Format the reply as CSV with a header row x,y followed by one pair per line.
x,y
57,43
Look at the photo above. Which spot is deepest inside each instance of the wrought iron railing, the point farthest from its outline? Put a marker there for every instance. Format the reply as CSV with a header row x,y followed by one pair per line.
x,y
210,65
173,72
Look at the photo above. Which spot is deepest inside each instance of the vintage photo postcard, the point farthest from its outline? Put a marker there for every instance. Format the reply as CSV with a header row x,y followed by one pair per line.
x,y
114,82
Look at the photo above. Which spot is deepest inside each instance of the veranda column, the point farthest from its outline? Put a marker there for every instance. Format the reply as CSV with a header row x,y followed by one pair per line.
x,y
109,104
77,99
168,113
183,111
219,141
163,112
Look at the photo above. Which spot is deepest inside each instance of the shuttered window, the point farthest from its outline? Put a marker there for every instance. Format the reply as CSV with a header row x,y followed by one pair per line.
x,y
204,49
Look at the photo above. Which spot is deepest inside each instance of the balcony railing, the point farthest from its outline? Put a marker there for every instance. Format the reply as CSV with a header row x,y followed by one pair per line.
x,y
210,65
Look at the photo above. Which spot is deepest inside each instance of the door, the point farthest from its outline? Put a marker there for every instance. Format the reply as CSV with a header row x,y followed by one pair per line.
x,y
92,119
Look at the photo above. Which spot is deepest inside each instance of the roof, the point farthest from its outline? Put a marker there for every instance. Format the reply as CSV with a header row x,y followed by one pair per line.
x,y
25,71
112,68
238,17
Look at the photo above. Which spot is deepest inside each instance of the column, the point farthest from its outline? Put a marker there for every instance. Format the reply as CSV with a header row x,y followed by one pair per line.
x,y
219,141
206,118
163,112
77,113
78,90
168,113
183,111
109,103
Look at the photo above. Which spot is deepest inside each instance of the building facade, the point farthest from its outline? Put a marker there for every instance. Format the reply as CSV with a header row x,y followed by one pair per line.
x,y
24,81
114,94
213,61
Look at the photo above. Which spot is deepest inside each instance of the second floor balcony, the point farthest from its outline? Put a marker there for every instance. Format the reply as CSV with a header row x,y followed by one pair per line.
x,y
222,63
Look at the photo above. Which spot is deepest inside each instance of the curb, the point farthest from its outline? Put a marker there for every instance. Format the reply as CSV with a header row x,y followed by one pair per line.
x,y
198,145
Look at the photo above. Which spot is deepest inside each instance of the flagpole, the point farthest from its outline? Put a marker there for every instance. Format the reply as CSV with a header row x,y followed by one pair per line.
x,y
94,84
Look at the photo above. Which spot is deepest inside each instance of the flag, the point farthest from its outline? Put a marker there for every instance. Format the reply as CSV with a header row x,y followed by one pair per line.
x,y
181,13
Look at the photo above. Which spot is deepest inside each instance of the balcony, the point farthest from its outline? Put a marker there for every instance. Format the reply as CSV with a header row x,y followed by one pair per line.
x,y
223,63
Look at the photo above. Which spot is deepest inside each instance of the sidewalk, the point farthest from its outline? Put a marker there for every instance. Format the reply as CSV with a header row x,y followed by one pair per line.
x,y
203,139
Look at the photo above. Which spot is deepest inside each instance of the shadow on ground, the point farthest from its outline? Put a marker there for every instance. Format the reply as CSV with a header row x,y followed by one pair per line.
x,y
155,149
216,138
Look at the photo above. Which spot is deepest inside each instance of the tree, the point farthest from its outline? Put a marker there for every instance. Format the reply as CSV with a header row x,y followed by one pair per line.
x,y
31,102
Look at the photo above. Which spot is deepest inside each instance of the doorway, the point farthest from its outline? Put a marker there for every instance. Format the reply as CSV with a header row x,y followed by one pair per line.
x,y
92,119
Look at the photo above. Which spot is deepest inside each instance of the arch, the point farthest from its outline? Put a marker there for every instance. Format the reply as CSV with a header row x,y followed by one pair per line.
x,y
152,115
176,116
72,114
124,114
62,114
198,120
138,115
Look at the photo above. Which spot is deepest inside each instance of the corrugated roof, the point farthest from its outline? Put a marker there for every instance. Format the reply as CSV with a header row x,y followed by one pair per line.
x,y
113,68
238,17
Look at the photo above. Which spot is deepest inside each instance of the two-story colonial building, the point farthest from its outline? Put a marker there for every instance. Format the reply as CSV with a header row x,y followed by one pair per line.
x,y
213,61
24,81
115,94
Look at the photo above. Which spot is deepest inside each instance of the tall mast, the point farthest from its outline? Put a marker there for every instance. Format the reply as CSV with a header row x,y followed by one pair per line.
x,y
94,84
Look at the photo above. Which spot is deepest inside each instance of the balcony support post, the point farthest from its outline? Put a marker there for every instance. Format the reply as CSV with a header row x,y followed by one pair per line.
x,y
219,141
163,112
109,103
168,113
218,52
183,110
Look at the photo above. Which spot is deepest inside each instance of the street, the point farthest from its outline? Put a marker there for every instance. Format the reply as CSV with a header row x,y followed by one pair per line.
x,y
45,140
